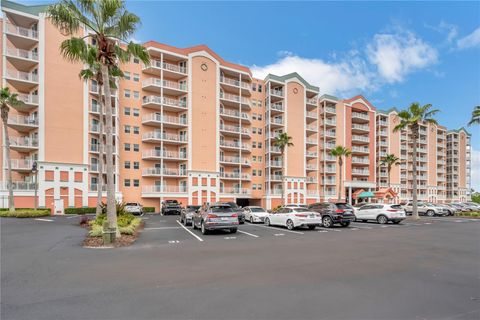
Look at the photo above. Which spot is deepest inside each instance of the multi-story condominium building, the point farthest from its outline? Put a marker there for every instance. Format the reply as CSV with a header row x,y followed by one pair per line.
x,y
194,127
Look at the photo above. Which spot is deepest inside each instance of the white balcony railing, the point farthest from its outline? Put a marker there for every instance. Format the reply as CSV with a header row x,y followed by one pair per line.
x,y
278,106
165,119
360,138
23,120
241,191
172,172
360,127
232,144
165,84
165,101
24,142
21,53
153,153
234,97
21,75
359,115
21,164
164,189
236,160
165,136
19,185
21,31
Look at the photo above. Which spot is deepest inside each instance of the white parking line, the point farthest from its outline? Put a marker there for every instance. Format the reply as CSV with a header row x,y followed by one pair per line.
x,y
229,238
279,234
161,228
193,234
72,216
275,228
248,234
322,231
40,219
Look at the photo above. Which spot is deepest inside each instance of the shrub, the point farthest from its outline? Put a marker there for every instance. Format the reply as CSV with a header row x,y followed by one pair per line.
x,y
83,210
122,220
148,209
120,206
96,231
17,209
25,213
128,228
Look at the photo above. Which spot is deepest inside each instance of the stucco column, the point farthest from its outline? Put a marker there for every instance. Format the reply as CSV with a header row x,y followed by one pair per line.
x,y
350,195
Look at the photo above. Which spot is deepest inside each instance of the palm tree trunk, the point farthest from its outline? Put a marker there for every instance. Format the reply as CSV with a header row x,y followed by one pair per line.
x,y
389,168
11,204
111,207
340,182
98,211
414,173
283,176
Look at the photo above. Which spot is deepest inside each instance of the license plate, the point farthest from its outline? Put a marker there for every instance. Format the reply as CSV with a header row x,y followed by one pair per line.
x,y
312,216
224,218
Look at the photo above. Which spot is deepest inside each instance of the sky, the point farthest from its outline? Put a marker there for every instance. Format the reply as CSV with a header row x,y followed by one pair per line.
x,y
393,53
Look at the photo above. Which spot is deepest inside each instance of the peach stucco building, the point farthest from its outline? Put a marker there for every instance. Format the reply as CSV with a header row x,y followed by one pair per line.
x,y
197,128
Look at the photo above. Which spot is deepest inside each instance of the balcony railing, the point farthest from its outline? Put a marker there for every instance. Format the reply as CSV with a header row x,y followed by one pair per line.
x,y
331,122
173,172
234,175
164,189
329,157
329,169
165,84
234,97
311,167
234,82
312,101
360,172
164,154
232,144
174,68
24,142
277,121
21,75
19,185
360,127
165,101
329,181
23,120
276,92
164,136
241,191
235,129
330,133
330,109
312,141
312,114
236,160
275,163
360,149
21,31
312,127
311,154
360,138
28,98
21,53
360,160
359,115
165,119
22,164
277,106
234,113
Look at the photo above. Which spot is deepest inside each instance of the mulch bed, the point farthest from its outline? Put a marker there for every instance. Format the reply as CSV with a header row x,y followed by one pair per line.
x,y
125,240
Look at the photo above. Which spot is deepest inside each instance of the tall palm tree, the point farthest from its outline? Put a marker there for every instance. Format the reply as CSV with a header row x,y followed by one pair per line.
x,y
340,152
475,116
7,100
411,119
389,161
282,141
109,25
92,72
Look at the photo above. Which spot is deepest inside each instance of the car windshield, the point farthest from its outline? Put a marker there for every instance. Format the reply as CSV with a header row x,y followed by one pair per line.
x,y
131,204
233,205
257,210
343,206
300,210
220,209
193,208
397,207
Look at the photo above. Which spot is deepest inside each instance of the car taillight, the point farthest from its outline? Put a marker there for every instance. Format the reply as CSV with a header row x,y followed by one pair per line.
x,y
234,215
392,210
212,216
339,211
301,215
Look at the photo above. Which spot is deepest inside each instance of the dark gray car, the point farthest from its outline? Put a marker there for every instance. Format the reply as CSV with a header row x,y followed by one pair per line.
x,y
214,217
186,216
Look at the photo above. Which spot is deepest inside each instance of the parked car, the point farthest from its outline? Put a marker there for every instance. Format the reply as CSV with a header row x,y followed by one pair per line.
x,y
238,210
186,214
255,214
425,208
214,217
382,213
474,204
471,206
451,209
134,208
294,217
171,207
334,213
458,206
295,206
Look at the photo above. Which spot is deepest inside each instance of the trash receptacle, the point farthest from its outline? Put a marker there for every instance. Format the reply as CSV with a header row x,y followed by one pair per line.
x,y
108,234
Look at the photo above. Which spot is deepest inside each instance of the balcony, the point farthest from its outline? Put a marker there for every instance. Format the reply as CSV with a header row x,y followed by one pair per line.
x,y
156,120
22,81
30,102
164,189
171,88
360,172
311,128
330,110
360,139
330,122
382,154
330,134
23,144
169,172
236,191
358,160
276,122
169,104
276,92
312,114
311,154
233,100
275,149
311,179
275,163
360,116
22,123
312,101
329,145
154,154
19,185
382,133
234,115
95,89
311,167
22,59
329,157
234,83
329,169
156,137
234,145
382,123
234,160
310,141
277,106
21,165
234,130
21,37
360,128
234,176
356,149
329,182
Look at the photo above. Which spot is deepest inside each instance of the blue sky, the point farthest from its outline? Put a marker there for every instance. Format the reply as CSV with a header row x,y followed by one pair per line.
x,y
393,53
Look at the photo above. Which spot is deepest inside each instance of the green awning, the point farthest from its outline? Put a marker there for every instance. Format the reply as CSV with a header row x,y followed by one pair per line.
x,y
366,194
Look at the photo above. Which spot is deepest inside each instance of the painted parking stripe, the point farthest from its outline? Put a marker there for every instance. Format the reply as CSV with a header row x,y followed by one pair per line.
x,y
248,234
40,219
193,234
275,228
322,231
161,228
72,216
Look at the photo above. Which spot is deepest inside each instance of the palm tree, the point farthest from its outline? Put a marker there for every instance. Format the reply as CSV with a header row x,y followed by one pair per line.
x,y
282,141
475,116
411,118
7,100
92,72
340,152
109,25
389,161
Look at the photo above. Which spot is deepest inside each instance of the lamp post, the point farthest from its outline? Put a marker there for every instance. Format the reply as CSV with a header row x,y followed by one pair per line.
x,y
35,172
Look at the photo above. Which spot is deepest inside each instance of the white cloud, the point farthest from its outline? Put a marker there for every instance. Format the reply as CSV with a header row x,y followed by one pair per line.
x,y
450,31
397,55
470,41
475,165
387,58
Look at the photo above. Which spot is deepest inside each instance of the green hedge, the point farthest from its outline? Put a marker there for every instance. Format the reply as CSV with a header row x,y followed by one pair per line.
x,y
127,224
83,210
148,209
25,213
469,214
48,209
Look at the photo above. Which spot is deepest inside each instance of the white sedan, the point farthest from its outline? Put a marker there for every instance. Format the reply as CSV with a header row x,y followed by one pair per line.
x,y
382,213
255,214
294,217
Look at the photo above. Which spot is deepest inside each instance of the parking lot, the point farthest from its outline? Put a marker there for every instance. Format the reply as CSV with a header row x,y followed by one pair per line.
x,y
426,269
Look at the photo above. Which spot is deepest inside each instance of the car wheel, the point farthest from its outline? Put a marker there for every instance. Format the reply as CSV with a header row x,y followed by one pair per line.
x,y
251,219
344,224
382,219
430,213
396,222
364,220
233,230
327,222
204,230
267,221
290,224
311,227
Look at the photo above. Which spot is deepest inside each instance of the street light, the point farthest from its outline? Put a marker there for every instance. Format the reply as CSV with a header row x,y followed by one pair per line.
x,y
35,172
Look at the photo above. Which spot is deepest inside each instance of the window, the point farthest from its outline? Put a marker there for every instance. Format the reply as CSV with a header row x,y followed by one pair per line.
x,y
127,129
126,182
136,112
254,187
136,130
259,145
126,93
259,117
254,86
136,147
126,75
259,173
136,182
254,116
254,172
259,131
259,88
259,187
254,144
136,60
136,165
126,165
126,111
254,130
136,77
254,158
259,103
259,158
126,146
136,94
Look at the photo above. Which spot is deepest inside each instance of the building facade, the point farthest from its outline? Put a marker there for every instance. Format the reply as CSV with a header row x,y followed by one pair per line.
x,y
194,127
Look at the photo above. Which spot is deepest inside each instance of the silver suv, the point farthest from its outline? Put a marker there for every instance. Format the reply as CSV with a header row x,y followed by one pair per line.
x,y
425,208
214,217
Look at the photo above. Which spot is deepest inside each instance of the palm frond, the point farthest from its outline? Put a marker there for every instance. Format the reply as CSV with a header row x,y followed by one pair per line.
x,y
73,49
